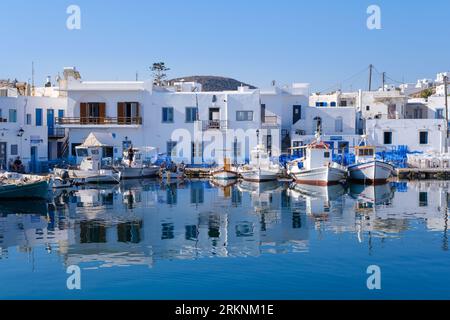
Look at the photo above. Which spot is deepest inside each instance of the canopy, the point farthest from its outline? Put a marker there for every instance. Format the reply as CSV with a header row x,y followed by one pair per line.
x,y
99,139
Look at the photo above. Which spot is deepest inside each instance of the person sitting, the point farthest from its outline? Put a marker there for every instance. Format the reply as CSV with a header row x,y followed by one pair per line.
x,y
17,165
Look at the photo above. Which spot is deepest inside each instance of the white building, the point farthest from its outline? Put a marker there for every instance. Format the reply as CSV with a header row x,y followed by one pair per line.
x,y
188,125
27,130
419,135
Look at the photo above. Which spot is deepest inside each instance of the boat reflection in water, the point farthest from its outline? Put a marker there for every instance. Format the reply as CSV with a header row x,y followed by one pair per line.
x,y
141,222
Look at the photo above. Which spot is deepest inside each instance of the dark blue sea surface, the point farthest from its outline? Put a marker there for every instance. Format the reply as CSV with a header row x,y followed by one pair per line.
x,y
197,240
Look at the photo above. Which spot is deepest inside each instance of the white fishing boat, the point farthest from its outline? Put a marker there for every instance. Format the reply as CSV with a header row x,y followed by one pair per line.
x,y
317,167
90,170
22,186
134,166
367,168
224,173
260,168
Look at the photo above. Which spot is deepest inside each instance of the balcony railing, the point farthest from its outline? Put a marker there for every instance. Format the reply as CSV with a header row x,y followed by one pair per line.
x,y
99,120
56,133
213,125
271,121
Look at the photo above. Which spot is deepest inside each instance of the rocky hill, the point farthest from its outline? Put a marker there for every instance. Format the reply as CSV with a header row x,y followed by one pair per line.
x,y
214,83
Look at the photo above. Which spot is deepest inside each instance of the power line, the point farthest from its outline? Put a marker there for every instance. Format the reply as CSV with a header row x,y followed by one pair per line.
x,y
339,84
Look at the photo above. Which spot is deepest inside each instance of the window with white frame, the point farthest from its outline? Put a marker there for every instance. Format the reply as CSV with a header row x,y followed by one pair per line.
x,y
12,115
244,115
14,150
191,114
167,115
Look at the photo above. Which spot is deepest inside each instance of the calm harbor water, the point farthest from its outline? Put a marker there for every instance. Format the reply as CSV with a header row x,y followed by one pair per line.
x,y
149,240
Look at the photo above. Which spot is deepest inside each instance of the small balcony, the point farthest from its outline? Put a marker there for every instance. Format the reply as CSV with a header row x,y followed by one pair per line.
x,y
205,125
270,121
99,121
56,133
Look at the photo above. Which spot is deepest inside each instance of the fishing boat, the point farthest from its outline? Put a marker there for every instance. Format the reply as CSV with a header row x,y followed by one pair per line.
x,y
22,186
367,168
224,173
317,167
260,169
90,170
134,166
172,172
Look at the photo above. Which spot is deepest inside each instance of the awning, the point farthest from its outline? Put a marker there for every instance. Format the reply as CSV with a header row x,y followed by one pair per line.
x,y
99,139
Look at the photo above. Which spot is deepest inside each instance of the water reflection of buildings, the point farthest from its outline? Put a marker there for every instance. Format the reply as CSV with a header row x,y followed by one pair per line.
x,y
140,223
182,222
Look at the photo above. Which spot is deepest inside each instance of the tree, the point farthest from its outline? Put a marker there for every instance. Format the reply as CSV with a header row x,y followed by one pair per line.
x,y
426,93
159,70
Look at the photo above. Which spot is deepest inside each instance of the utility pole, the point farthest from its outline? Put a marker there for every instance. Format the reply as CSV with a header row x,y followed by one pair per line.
x,y
370,77
446,112
383,80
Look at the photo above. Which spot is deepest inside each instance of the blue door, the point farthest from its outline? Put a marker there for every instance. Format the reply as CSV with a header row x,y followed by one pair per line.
x,y
50,120
33,162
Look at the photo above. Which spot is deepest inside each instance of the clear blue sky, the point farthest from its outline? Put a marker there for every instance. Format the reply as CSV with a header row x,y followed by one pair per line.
x,y
255,41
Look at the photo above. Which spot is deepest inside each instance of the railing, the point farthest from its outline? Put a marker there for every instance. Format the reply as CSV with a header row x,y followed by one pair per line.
x,y
270,121
213,124
99,120
56,133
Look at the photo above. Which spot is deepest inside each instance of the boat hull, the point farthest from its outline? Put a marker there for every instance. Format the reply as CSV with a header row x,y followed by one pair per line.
x,y
224,175
138,173
323,176
259,175
374,172
33,190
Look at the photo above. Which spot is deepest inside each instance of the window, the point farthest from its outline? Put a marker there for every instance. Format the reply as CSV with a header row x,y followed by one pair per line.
x,y
38,117
338,124
387,137
367,108
191,114
12,115
321,104
167,115
438,115
14,150
28,118
343,103
333,104
171,148
60,113
244,115
326,154
423,137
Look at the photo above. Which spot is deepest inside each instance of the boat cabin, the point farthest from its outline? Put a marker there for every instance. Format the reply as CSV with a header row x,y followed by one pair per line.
x,y
317,155
95,148
364,153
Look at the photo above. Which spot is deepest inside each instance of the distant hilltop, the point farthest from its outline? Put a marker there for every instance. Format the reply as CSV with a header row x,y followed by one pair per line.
x,y
213,83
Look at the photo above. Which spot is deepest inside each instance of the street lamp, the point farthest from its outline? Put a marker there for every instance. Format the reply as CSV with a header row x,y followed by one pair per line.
x,y
20,133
